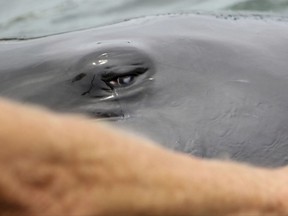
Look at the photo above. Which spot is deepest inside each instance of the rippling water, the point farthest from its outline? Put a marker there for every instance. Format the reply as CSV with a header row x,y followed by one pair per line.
x,y
29,18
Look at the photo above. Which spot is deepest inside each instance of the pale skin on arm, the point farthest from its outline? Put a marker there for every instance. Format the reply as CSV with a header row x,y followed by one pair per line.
x,y
54,164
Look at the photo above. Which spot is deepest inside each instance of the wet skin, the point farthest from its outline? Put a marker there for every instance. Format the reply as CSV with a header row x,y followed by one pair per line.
x,y
213,87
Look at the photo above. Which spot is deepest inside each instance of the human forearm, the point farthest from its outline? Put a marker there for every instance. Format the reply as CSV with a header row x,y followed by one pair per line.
x,y
64,165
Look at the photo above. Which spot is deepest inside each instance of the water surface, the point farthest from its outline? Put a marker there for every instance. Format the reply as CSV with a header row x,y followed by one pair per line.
x,y
30,18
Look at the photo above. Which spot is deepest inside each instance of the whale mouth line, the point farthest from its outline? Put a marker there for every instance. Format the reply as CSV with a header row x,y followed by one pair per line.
x,y
112,114
106,115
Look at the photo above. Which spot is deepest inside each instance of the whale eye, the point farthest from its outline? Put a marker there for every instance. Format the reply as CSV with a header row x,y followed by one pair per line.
x,y
121,81
117,79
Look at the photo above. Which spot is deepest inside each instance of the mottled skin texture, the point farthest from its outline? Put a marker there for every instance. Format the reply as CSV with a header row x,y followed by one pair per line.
x,y
209,86
54,164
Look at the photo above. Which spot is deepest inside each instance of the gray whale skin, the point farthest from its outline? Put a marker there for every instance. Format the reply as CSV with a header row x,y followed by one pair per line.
x,y
214,87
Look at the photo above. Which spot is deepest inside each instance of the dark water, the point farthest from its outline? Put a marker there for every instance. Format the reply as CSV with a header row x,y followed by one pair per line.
x,y
28,18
